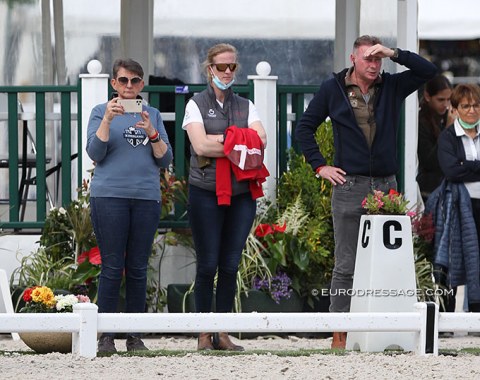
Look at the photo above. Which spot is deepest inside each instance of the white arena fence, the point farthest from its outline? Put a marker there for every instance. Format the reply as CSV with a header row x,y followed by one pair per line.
x,y
85,323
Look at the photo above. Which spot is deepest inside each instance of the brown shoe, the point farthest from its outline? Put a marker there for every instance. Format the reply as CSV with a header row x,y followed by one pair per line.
x,y
205,342
339,340
221,341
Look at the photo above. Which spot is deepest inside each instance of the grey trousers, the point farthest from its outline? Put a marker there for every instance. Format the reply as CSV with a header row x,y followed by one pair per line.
x,y
347,211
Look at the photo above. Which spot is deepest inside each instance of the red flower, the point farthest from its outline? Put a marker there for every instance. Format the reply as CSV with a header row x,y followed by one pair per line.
x,y
263,230
27,294
424,227
393,192
280,228
93,256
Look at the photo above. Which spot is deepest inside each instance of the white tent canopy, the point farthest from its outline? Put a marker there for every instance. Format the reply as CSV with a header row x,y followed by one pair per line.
x,y
437,19
448,20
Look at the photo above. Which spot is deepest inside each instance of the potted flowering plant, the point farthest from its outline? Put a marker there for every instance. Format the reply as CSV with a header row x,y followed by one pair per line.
x,y
274,257
41,299
393,203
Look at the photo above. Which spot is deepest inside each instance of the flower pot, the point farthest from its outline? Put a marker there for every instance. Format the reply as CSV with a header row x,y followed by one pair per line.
x,y
258,301
261,302
175,295
46,342
319,304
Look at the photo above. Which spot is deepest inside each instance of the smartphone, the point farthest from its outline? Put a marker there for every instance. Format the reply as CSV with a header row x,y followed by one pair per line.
x,y
131,105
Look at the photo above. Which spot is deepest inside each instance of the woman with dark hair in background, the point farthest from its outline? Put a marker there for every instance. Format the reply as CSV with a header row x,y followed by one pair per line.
x,y
434,116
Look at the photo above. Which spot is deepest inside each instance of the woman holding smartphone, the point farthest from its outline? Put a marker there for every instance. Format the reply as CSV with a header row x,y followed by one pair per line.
x,y
128,150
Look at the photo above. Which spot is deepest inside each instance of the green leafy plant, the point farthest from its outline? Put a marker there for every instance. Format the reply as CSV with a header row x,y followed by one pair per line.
x,y
316,234
40,269
174,193
68,231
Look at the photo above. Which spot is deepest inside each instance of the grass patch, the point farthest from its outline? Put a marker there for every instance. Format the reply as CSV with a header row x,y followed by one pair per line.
x,y
279,353
180,353
471,351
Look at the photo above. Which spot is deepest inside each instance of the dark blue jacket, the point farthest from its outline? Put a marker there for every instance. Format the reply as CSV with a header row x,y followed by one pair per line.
x,y
352,153
452,159
456,242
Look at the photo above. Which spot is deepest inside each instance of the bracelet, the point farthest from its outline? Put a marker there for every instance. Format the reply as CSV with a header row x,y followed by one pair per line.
x,y
317,171
155,136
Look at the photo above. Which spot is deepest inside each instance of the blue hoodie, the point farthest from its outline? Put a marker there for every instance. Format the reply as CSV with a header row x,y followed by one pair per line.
x,y
124,166
352,153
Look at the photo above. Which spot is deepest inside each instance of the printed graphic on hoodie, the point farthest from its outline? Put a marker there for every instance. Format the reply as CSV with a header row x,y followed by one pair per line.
x,y
134,136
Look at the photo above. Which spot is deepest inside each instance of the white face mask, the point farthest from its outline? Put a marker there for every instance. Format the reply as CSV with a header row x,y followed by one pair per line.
x,y
220,85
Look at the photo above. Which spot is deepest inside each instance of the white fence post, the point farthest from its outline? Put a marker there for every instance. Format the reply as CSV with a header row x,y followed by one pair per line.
x,y
265,93
94,91
84,342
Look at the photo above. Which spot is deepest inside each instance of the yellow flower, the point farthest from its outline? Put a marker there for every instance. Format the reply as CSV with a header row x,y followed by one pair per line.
x,y
43,294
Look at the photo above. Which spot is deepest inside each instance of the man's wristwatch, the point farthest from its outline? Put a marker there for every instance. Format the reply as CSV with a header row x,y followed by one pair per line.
x,y
395,53
317,171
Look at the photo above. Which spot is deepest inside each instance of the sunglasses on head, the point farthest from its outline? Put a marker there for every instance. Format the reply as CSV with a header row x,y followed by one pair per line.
x,y
133,81
223,66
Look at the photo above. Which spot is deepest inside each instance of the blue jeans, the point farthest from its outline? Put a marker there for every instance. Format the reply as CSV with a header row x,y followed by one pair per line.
x,y
347,211
124,229
219,234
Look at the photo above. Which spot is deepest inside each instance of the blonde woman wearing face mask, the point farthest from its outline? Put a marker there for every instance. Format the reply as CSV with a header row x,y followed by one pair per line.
x,y
456,203
220,225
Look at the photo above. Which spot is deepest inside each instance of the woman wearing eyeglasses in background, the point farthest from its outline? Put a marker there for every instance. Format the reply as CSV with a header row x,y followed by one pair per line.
x,y
128,150
219,231
456,202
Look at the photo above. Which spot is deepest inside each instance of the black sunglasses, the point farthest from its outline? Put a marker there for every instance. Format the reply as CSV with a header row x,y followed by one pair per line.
x,y
223,66
133,81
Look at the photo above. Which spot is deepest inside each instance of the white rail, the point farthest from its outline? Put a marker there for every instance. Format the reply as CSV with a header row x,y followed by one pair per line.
x,y
85,322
